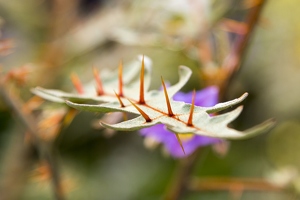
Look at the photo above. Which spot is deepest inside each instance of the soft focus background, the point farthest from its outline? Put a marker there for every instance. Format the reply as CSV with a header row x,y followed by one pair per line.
x,y
44,41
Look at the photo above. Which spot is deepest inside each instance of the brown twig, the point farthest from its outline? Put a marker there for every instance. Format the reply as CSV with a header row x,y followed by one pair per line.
x,y
181,177
17,161
233,184
229,67
232,62
44,149
63,17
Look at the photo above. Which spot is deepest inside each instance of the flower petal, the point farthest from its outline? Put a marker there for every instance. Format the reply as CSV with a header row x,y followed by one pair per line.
x,y
206,97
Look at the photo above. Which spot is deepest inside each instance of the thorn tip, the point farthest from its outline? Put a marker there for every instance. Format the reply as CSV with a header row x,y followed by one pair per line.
x,y
146,117
99,88
77,83
170,112
120,100
190,120
180,142
142,74
120,79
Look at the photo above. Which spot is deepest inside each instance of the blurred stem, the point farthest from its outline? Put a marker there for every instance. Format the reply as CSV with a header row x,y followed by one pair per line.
x,y
181,177
63,16
231,65
232,184
44,149
232,62
17,162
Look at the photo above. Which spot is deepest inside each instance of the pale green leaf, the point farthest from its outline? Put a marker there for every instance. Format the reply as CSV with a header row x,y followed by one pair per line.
x,y
110,82
154,108
153,98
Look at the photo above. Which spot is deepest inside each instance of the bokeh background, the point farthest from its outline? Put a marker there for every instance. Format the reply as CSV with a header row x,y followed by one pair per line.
x,y
44,41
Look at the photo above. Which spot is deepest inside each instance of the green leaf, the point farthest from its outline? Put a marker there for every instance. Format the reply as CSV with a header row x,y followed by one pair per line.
x,y
110,80
204,124
153,107
153,98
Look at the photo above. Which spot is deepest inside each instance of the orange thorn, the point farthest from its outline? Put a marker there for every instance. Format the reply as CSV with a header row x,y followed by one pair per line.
x,y
120,100
142,95
190,120
180,143
120,79
147,118
100,90
170,112
77,83
125,117
70,115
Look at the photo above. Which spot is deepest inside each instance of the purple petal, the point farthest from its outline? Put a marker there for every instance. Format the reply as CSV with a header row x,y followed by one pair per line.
x,y
168,138
157,132
206,97
189,145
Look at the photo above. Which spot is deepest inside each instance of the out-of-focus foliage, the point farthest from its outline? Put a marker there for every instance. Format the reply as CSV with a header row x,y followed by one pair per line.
x,y
283,152
153,109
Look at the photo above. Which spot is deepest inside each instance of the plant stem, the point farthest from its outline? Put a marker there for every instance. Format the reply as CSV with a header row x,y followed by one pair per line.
x,y
230,66
44,149
232,62
232,184
181,177
18,158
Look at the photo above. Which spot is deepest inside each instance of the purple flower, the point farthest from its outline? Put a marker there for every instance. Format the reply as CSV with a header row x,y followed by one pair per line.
x,y
206,97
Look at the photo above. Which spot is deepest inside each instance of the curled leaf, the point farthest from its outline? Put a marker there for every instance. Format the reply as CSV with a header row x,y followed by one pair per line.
x,y
157,107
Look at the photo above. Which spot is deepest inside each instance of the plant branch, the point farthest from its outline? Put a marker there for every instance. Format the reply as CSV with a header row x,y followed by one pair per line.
x,y
17,161
233,184
181,177
231,64
43,148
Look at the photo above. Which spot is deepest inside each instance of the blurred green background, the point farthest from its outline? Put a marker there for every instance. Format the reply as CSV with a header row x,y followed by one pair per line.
x,y
54,38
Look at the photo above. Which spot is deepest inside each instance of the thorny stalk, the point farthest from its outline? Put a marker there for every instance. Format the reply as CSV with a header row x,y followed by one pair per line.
x,y
181,180
233,60
62,17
